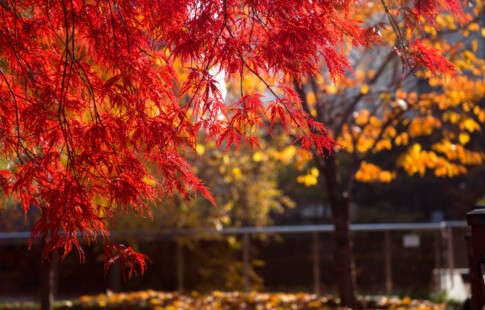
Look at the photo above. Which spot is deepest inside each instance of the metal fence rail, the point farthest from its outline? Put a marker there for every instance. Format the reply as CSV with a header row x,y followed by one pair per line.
x,y
266,229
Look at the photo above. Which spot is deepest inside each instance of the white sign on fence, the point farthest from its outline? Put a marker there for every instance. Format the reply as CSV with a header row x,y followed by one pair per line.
x,y
411,241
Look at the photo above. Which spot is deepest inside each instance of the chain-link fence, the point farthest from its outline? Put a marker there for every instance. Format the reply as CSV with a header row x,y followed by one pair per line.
x,y
408,259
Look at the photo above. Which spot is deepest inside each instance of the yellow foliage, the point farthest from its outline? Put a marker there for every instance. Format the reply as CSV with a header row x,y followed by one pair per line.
x,y
287,154
390,132
469,55
416,160
345,140
258,156
383,145
470,125
374,121
421,126
406,301
236,172
149,180
451,117
260,300
364,144
311,98
402,139
314,172
308,179
200,149
362,117
331,89
372,173
474,27
385,96
464,138
457,152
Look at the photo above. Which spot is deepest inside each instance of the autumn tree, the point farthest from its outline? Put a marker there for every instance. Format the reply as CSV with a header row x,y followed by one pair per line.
x,y
429,117
91,99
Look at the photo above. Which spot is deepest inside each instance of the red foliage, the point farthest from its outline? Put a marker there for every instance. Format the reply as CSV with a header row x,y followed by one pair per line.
x,y
92,106
125,256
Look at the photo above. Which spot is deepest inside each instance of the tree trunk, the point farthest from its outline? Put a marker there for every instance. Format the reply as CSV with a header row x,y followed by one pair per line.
x,y
47,284
343,257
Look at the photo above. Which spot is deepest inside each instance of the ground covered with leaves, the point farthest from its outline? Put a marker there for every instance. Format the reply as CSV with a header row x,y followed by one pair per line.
x,y
226,300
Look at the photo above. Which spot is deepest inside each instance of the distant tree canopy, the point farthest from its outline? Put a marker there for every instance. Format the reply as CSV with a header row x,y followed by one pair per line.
x,y
430,121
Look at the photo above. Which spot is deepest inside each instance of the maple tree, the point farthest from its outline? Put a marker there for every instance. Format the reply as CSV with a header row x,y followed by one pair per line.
x,y
431,120
91,99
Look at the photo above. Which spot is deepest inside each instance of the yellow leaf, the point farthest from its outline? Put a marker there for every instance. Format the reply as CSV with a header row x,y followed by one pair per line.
x,y
149,181
473,27
314,172
331,89
311,98
362,117
225,159
287,154
481,116
385,96
416,148
308,179
471,125
364,89
200,149
474,45
406,301
464,138
469,55
237,172
258,156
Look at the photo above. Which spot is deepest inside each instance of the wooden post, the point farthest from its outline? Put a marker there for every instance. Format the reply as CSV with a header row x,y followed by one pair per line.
x,y
473,275
316,263
115,277
437,262
388,261
246,283
437,251
476,219
451,257
180,267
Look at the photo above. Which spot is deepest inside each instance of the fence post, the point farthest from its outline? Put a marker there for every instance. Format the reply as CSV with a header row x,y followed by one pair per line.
x,y
246,283
180,267
476,220
437,251
451,257
115,277
388,261
316,263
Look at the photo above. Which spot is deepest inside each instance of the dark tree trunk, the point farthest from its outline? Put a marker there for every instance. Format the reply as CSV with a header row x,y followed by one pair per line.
x,y
339,203
47,284
343,257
